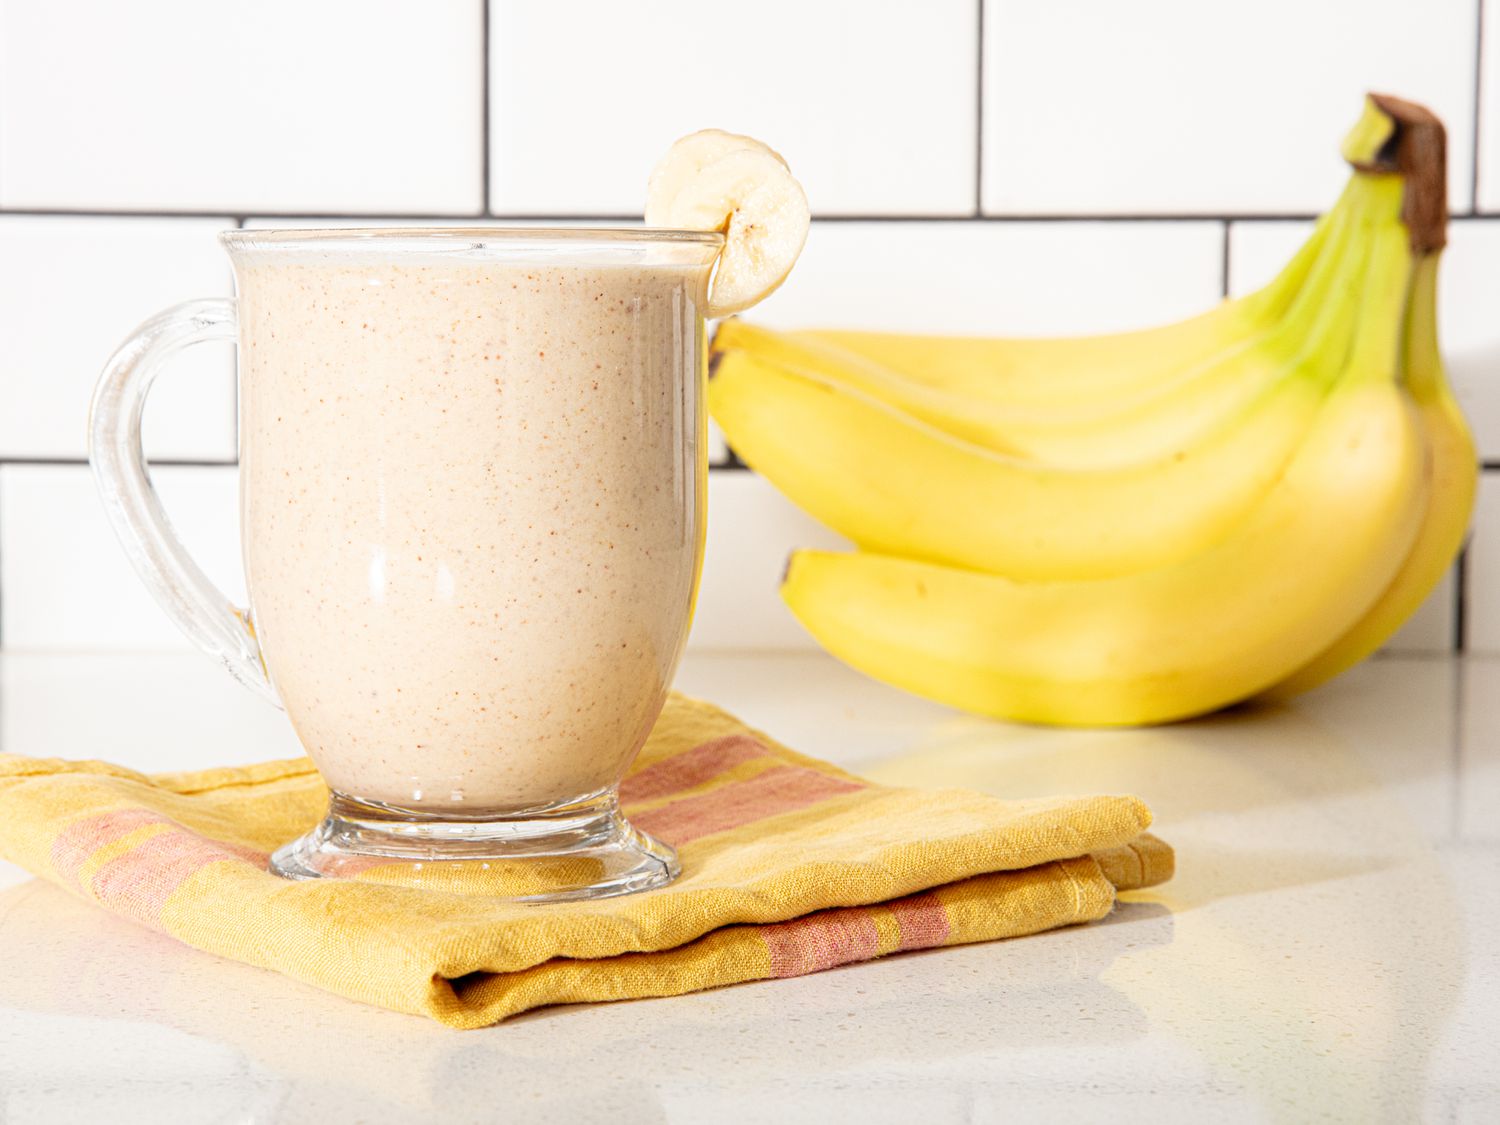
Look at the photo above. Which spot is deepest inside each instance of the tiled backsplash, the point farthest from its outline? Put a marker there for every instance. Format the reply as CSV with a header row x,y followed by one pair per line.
x,y
999,167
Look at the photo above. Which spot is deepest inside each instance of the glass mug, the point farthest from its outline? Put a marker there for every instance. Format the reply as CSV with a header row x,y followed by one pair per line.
x,y
472,483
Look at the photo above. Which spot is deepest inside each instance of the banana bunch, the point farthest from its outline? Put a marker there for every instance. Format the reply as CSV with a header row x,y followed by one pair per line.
x,y
1141,527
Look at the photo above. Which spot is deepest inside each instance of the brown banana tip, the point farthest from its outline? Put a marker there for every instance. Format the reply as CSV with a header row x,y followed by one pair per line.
x,y
1418,152
714,359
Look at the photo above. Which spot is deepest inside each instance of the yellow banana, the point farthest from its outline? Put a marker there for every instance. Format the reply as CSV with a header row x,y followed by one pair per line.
x,y
1455,478
1179,640
1096,431
896,485
1061,371
1055,373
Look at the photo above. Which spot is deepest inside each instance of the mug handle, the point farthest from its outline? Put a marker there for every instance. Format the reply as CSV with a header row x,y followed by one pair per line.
x,y
177,583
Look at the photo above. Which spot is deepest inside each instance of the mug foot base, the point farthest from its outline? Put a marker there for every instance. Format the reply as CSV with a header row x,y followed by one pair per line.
x,y
584,850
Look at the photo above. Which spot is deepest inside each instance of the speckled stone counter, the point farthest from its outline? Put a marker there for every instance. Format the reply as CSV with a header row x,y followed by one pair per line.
x,y
1329,948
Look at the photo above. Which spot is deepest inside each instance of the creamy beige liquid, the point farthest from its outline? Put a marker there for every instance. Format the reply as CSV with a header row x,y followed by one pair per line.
x,y
472,514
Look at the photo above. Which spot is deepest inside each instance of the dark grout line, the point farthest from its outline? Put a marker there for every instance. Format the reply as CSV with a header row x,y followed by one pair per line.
x,y
1461,602
1132,217
1055,217
1457,751
190,463
1461,580
979,119
484,106
240,218
496,218
1224,262
117,213
1479,6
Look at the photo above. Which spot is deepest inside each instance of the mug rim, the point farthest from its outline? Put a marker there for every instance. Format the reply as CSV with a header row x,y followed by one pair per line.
x,y
267,237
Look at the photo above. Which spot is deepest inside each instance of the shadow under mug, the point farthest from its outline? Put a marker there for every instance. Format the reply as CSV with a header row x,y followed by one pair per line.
x,y
472,484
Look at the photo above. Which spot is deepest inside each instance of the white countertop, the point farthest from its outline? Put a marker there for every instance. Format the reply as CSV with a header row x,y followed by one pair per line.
x,y
1330,947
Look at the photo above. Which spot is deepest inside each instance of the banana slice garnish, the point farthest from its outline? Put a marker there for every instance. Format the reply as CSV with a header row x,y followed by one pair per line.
x,y
712,180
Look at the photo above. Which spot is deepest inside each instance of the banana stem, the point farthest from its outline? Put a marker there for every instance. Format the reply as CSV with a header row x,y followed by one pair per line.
x,y
1416,149
1423,369
1332,318
1289,287
1377,352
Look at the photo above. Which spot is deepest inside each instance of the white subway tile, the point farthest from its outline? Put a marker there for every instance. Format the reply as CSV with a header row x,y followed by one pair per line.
x,y
751,530
71,290
1468,323
872,102
159,710
996,278
1179,106
1482,593
340,105
66,580
1489,112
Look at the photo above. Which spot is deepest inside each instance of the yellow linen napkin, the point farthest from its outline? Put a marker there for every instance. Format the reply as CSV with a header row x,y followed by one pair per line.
x,y
790,866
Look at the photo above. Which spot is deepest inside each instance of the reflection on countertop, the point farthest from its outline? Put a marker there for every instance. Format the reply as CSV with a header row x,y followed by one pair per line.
x,y
1327,948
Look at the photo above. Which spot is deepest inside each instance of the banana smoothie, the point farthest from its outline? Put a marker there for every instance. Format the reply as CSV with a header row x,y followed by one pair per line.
x,y
472,511
473,470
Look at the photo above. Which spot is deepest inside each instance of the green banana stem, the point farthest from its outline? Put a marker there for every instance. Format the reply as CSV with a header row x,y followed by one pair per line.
x,y
1415,147
1273,301
1332,315
1424,373
1375,349
1375,355
1369,136
1338,263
